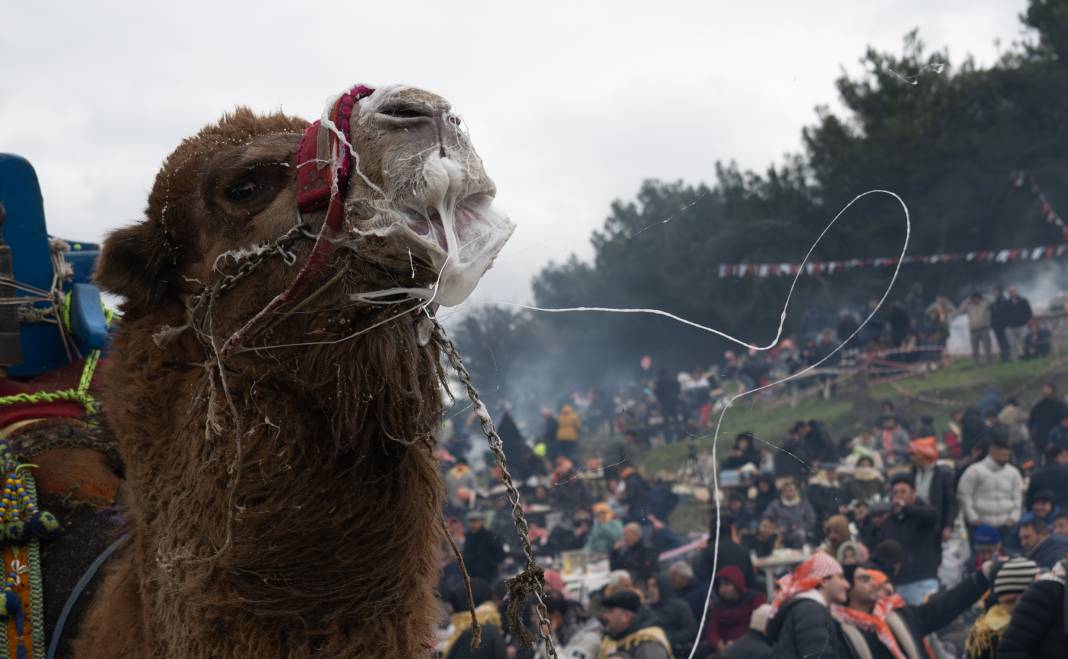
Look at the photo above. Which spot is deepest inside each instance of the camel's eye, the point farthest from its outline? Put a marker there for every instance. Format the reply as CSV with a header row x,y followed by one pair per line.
x,y
242,192
405,111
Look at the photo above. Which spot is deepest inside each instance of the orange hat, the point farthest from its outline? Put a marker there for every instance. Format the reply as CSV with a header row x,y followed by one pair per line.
x,y
926,447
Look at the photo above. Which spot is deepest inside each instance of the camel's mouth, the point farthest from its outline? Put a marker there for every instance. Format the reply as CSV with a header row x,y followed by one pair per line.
x,y
457,239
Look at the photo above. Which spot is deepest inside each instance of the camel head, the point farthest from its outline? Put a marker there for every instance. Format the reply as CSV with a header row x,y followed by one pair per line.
x,y
387,211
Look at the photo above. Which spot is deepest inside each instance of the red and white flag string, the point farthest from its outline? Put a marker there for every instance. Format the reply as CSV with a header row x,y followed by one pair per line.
x,y
1043,253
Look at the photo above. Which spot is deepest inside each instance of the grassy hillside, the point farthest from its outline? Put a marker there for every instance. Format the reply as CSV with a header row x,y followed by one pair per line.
x,y
857,406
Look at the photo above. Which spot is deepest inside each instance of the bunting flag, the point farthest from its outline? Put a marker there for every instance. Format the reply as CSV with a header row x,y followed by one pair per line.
x,y
1021,179
1042,253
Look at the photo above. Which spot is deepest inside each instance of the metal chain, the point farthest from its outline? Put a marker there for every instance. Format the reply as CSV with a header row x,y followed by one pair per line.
x,y
530,580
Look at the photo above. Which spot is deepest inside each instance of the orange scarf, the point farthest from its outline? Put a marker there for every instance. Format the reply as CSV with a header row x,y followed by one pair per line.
x,y
874,621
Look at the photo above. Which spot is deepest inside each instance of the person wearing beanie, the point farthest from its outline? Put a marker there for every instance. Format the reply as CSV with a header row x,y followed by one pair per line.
x,y
754,645
732,613
628,627
800,622
1013,578
1039,625
879,624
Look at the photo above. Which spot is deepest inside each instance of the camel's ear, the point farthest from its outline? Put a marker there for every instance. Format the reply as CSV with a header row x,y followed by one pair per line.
x,y
137,263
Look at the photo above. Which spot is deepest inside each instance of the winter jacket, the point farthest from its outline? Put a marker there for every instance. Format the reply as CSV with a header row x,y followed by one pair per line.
x,y
941,496
1052,477
797,523
990,493
642,640
803,629
582,641
694,593
1039,626
1017,312
729,621
754,645
568,425
730,553
895,444
1050,551
482,555
1045,415
673,615
916,528
978,312
604,535
639,559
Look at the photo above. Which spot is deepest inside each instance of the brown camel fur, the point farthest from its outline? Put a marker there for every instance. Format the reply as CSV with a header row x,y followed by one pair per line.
x,y
283,502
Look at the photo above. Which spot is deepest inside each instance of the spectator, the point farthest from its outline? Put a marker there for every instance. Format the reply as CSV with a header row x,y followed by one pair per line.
x,y
986,544
1060,524
729,619
667,392
934,484
877,625
574,635
865,483
999,319
790,459
1043,508
1058,436
1017,316
915,525
765,540
835,534
548,434
635,494
460,486
1051,477
1038,342
766,492
671,614
795,516
483,552
1012,580
870,526
1041,547
629,627
606,531
824,493
755,644
991,491
742,453
800,622
1038,628
730,553
631,553
978,311
894,441
687,588
458,644
852,552
743,517
1045,414
568,431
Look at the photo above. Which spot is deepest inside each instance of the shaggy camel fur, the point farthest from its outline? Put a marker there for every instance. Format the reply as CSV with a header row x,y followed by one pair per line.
x,y
284,501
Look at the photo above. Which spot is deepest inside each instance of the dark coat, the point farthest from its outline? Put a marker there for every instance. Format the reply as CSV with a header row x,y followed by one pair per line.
x,y
694,594
492,646
1045,415
1017,312
1050,551
730,553
943,496
1039,628
805,629
754,645
673,615
916,529
1052,477
482,555
641,560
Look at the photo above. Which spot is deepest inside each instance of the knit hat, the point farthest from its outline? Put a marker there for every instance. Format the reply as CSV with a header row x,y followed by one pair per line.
x,y
987,535
624,599
1015,575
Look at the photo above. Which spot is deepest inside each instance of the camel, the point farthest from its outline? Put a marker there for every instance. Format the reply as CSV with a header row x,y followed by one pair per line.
x,y
274,385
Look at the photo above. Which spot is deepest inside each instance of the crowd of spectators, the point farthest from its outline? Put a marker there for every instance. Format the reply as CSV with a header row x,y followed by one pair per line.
x,y
903,540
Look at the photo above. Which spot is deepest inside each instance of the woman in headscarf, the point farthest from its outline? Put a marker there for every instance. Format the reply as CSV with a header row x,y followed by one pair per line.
x,y
766,492
795,516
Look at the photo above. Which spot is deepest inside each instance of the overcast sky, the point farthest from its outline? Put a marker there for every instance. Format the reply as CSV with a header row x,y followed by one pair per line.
x,y
570,107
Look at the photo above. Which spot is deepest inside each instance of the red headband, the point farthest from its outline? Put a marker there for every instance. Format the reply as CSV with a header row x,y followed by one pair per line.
x,y
324,164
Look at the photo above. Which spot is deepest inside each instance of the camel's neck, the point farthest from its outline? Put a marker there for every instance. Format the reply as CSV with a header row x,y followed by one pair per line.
x,y
320,504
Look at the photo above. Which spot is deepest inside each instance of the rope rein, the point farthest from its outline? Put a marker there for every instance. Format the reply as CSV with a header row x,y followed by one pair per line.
x,y
529,582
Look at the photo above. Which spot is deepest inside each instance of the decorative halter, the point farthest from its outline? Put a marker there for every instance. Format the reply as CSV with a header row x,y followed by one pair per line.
x,y
324,165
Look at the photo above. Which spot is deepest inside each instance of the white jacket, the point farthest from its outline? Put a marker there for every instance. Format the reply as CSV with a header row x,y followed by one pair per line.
x,y
584,642
990,493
